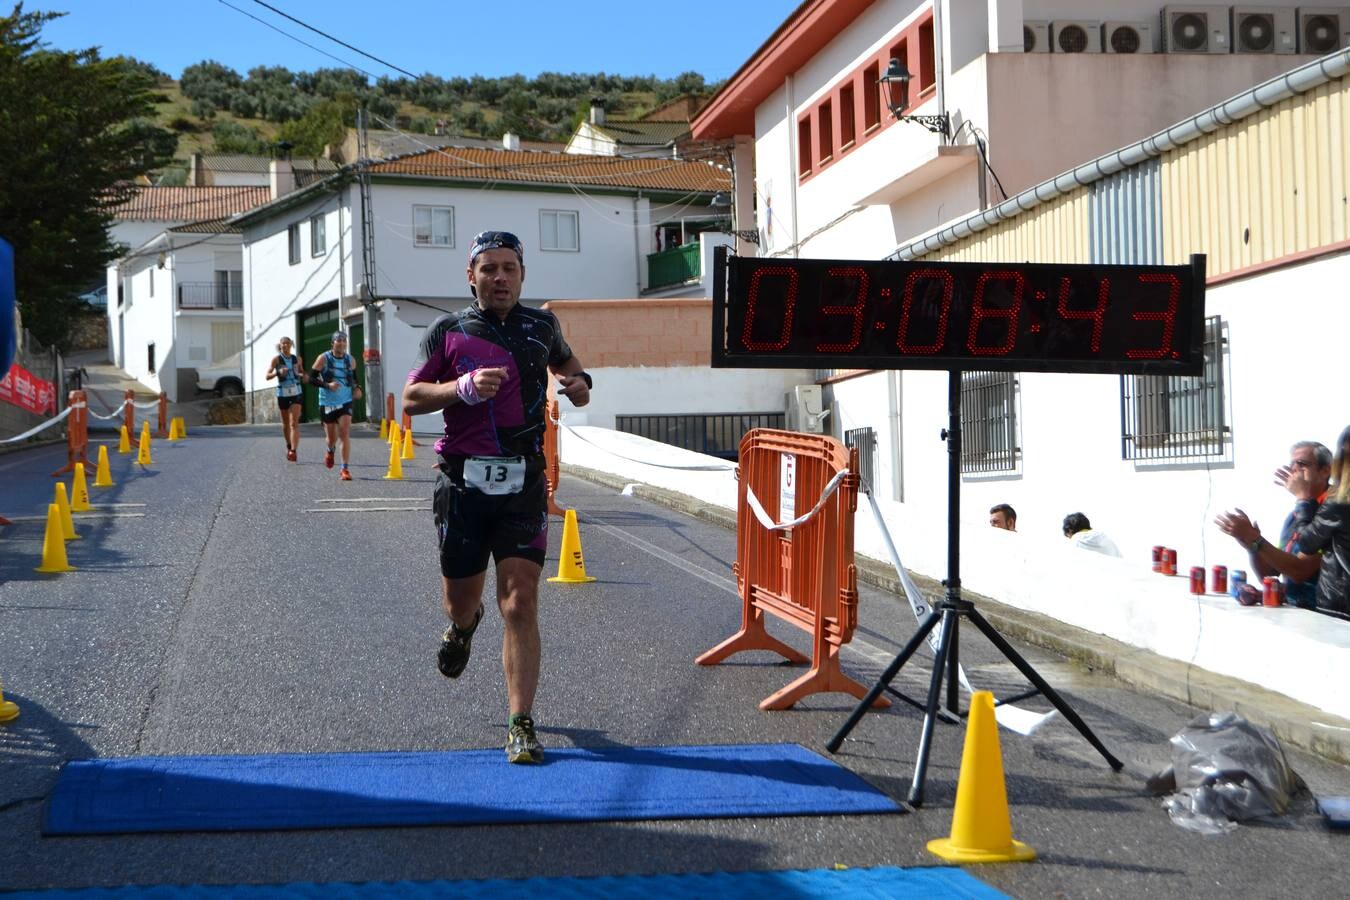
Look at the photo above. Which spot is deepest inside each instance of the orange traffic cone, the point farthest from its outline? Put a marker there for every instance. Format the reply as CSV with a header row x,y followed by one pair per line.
x,y
8,711
408,445
79,491
571,564
124,442
143,455
981,827
63,507
54,544
103,477
395,472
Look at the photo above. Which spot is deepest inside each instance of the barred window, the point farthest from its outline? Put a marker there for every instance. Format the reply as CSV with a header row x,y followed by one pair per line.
x,y
1167,417
989,422
865,439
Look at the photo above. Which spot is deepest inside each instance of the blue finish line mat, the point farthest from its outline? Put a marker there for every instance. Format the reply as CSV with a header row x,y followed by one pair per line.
x,y
798,884
465,787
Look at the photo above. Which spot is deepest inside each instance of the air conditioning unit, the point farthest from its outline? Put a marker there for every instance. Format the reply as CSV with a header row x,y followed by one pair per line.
x,y
1035,37
1323,29
1196,29
1263,29
803,408
1127,37
1076,36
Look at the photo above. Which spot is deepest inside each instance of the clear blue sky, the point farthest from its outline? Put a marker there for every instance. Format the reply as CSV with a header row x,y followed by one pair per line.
x,y
440,37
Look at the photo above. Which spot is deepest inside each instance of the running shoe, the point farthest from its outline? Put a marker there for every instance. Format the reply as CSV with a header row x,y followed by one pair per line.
x,y
290,455
454,652
521,744
346,476
328,459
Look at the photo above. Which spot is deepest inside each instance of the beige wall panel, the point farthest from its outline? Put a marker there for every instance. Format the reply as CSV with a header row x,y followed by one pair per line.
x,y
1053,232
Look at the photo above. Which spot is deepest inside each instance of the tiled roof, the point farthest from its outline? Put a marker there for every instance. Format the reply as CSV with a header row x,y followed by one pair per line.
x,y
188,204
644,133
559,168
385,144
260,165
214,226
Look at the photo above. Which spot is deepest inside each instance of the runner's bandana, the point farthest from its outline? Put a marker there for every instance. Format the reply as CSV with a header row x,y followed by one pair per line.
x,y
495,240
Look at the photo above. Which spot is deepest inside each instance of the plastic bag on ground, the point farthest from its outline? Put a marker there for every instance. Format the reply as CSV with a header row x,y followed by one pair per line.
x,y
1226,770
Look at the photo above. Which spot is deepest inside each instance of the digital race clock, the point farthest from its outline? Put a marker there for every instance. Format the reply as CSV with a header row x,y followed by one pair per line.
x,y
1025,317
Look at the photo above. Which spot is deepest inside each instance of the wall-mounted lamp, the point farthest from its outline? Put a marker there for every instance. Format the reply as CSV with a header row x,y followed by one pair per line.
x,y
723,199
895,92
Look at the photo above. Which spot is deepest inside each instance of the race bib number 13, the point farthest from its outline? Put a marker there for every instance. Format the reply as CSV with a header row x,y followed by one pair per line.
x,y
495,474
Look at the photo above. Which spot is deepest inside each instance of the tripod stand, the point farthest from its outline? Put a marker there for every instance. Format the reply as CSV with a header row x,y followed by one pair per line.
x,y
949,614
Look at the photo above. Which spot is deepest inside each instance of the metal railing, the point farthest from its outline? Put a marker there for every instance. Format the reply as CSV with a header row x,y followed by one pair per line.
x,y
1164,417
673,266
210,295
989,422
865,439
717,434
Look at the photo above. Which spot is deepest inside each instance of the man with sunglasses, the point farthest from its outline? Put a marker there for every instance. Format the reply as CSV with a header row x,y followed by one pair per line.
x,y
486,368
1307,477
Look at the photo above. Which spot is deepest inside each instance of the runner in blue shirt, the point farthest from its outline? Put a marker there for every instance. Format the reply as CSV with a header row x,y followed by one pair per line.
x,y
336,378
286,368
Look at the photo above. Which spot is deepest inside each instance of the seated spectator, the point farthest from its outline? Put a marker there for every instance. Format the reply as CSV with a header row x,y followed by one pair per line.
x,y
1306,477
1327,537
1003,516
1078,529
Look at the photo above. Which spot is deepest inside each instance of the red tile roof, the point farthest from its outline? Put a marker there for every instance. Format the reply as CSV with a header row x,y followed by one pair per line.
x,y
525,167
188,204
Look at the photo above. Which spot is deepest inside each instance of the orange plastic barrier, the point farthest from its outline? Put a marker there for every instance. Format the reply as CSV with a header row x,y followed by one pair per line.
x,y
803,575
389,407
551,462
77,434
406,425
163,431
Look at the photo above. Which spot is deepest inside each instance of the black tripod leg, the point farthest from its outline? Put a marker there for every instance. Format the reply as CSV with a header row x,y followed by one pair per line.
x,y
954,666
949,618
901,658
1043,686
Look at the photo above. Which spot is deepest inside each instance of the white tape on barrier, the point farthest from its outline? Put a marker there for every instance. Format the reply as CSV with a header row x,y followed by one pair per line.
x,y
112,415
770,524
1014,718
45,425
153,404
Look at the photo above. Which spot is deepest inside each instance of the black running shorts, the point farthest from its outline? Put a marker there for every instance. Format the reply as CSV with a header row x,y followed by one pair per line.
x,y
288,402
471,525
332,418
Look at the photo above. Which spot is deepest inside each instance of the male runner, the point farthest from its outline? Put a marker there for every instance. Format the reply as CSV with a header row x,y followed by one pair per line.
x,y
486,368
335,376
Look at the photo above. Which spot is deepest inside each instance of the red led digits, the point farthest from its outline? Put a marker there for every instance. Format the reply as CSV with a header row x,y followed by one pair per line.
x,y
978,313
1097,315
785,333
907,306
1167,317
856,310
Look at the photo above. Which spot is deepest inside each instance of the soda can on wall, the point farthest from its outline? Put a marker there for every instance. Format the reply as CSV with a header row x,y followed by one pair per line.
x,y
1197,579
1237,582
1273,595
1219,580
1169,561
1158,550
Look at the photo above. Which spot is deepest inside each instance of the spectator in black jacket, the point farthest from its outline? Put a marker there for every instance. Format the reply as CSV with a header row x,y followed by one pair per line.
x,y
1329,535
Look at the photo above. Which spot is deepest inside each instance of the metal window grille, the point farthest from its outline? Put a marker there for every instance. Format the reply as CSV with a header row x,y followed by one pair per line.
x,y
714,434
1176,416
989,422
865,439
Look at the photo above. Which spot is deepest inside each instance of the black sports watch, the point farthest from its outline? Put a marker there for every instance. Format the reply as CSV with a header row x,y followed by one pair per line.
x,y
587,377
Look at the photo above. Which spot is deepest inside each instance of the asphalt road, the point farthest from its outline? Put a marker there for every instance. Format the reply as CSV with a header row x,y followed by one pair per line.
x,y
252,606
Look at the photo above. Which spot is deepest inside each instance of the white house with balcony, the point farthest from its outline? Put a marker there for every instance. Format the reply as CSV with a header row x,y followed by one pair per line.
x,y
318,258
175,300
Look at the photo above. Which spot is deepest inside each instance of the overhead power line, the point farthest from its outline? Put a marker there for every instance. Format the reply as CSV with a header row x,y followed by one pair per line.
x,y
296,39
336,40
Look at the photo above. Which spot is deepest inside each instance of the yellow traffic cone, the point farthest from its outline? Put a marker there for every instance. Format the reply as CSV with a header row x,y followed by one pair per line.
x,y
8,711
571,565
384,430
63,507
143,455
124,442
408,445
79,491
182,427
54,544
395,472
393,434
173,429
981,828
103,477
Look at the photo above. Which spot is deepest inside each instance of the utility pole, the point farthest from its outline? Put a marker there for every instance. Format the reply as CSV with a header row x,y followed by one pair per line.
x,y
370,313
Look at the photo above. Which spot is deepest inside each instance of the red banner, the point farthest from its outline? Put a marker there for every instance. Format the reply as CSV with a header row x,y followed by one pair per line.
x,y
23,389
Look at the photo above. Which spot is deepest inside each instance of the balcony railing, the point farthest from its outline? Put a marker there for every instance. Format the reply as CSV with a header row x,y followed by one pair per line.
x,y
673,266
210,295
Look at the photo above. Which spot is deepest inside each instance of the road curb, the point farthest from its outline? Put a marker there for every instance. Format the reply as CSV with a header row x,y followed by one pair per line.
x,y
1295,723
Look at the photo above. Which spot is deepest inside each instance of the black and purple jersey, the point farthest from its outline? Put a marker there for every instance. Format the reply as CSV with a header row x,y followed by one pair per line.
x,y
526,345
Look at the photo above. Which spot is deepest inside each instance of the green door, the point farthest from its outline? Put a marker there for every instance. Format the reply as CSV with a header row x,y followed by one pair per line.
x,y
316,333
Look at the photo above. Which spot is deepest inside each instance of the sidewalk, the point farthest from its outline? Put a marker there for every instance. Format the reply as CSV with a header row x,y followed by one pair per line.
x,y
1298,724
107,385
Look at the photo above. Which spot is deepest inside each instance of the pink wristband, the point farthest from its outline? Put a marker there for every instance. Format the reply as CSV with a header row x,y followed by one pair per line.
x,y
468,392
